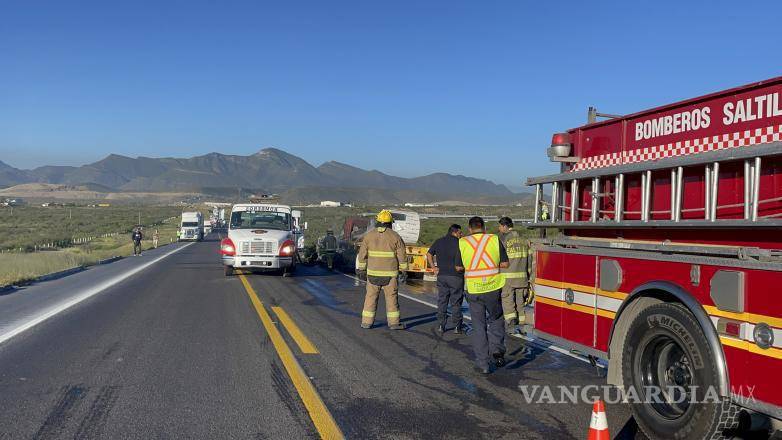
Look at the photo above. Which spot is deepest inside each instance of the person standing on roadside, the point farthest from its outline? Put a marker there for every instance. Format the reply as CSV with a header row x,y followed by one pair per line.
x,y
482,256
450,282
137,236
515,292
155,238
382,255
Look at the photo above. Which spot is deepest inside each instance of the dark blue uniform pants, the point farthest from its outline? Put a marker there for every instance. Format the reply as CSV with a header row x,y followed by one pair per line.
x,y
488,327
450,291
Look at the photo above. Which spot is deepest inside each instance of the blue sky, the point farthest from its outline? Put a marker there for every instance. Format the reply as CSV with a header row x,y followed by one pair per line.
x,y
406,87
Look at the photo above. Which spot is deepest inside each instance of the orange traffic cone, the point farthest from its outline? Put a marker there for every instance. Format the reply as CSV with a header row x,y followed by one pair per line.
x,y
598,425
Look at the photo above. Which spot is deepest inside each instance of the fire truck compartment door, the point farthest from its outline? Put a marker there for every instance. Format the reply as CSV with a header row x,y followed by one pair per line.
x,y
578,316
566,301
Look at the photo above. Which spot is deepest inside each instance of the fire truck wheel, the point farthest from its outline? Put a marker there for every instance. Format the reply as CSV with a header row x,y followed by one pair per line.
x,y
229,270
670,375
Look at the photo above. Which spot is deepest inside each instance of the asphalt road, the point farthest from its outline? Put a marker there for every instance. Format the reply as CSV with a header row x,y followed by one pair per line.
x,y
177,350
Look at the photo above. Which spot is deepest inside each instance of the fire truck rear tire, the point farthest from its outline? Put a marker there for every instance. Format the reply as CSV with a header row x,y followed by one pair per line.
x,y
665,347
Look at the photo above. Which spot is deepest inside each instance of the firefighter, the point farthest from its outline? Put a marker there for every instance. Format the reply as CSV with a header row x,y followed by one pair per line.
x,y
328,248
482,256
382,255
515,293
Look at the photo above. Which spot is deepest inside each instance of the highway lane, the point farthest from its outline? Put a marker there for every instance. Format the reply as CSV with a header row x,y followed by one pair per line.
x,y
175,352
179,351
418,384
26,306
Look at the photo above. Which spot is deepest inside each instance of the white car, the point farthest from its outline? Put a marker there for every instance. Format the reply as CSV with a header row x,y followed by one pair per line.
x,y
261,237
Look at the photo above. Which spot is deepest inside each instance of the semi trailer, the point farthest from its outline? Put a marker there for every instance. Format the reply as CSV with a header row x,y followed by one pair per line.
x,y
192,226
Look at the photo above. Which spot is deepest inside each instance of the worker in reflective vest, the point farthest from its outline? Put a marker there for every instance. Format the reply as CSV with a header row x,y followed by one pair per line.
x,y
515,292
382,254
482,256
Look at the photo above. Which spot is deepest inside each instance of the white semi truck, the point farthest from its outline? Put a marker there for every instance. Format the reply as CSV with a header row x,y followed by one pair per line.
x,y
192,226
262,237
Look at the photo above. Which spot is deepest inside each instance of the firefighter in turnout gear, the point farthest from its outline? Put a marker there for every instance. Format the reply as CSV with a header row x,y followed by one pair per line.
x,y
382,255
482,256
516,292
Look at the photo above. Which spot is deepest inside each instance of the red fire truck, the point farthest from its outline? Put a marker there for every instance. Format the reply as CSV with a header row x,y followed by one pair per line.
x,y
669,261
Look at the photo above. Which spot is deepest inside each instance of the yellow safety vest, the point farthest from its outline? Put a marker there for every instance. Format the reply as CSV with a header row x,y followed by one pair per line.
x,y
481,261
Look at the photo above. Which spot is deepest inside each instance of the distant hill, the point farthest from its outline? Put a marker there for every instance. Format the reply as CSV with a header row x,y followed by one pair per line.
x,y
91,192
12,176
270,170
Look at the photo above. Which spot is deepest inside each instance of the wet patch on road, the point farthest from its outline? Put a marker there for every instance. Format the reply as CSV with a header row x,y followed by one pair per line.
x,y
408,420
323,296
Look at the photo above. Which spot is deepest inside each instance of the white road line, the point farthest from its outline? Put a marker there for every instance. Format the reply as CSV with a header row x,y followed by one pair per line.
x,y
58,308
535,341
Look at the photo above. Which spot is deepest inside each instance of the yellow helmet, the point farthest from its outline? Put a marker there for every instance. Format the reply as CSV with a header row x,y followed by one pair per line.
x,y
384,216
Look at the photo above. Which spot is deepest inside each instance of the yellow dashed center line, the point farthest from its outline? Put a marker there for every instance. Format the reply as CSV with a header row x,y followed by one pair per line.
x,y
320,415
305,345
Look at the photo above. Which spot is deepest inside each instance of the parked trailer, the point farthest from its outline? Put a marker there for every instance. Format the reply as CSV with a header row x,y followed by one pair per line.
x,y
670,261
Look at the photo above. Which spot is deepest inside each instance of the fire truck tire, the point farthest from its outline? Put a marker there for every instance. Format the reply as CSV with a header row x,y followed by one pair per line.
x,y
229,270
664,348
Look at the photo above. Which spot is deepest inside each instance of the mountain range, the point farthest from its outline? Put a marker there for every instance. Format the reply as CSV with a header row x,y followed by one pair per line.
x,y
269,170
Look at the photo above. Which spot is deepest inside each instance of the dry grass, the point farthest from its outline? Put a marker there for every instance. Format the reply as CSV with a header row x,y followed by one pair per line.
x,y
29,226
20,267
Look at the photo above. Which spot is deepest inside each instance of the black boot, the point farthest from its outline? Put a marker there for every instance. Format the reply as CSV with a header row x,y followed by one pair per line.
x,y
499,359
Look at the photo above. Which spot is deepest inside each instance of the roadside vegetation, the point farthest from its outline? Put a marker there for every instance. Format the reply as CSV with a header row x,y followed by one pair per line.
x,y
30,227
26,227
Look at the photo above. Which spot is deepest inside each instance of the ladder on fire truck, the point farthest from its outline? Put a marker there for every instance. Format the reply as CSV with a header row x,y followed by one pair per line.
x,y
563,213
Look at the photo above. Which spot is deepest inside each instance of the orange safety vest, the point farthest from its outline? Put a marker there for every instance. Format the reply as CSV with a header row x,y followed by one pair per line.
x,y
481,261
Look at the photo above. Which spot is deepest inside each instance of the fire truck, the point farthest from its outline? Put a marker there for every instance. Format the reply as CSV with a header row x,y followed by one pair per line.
x,y
668,261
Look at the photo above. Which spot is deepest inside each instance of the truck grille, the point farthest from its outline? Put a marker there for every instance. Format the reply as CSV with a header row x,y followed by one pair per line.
x,y
258,247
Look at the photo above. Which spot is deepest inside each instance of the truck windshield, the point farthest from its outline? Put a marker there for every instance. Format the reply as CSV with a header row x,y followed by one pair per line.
x,y
189,224
255,220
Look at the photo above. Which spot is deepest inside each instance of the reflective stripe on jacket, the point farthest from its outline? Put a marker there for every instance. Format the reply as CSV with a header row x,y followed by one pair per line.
x,y
382,253
481,261
517,248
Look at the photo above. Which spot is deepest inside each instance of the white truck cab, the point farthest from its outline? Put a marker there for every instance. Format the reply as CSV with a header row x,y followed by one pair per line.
x,y
192,226
262,236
